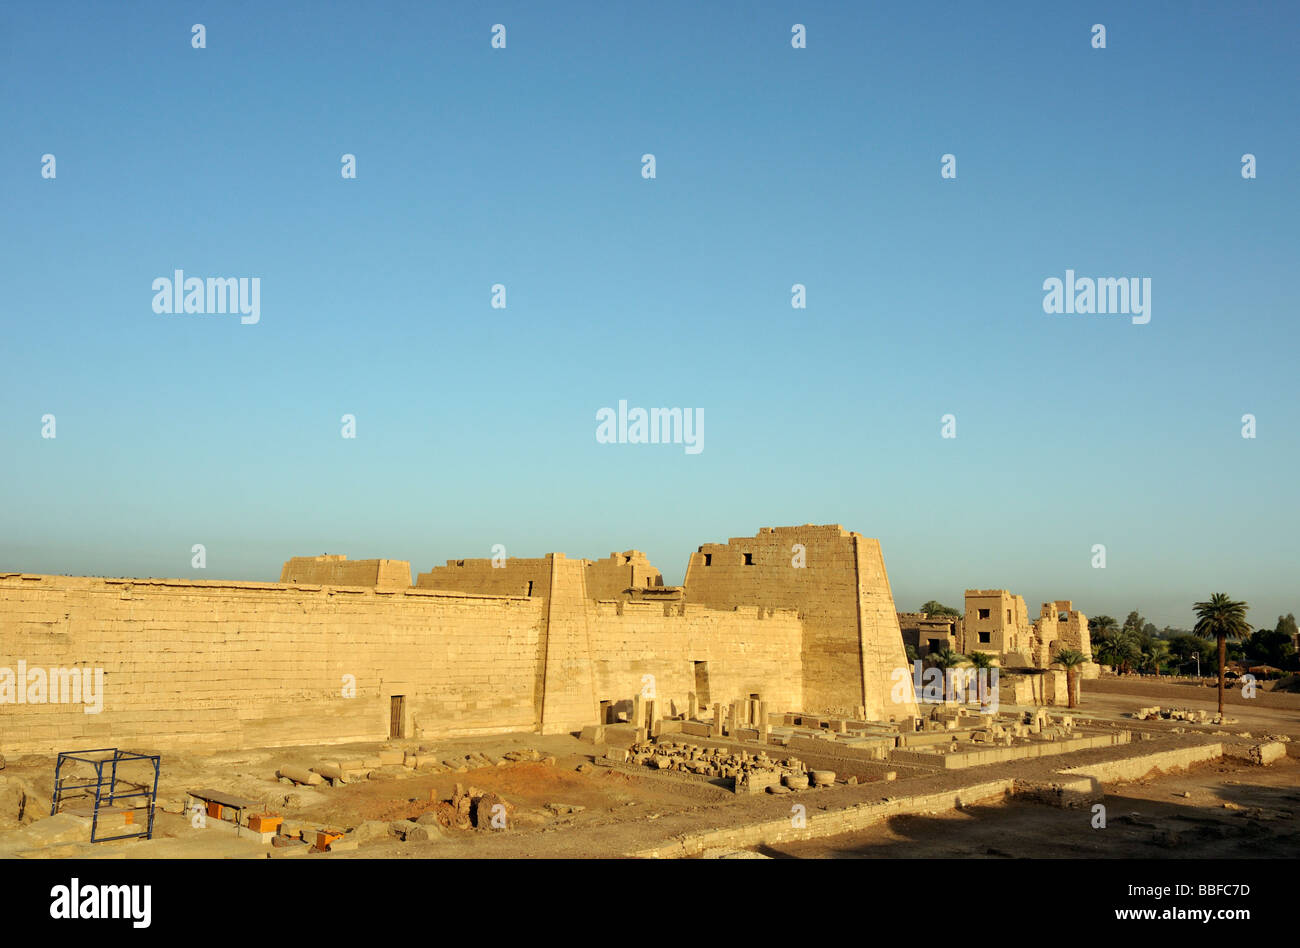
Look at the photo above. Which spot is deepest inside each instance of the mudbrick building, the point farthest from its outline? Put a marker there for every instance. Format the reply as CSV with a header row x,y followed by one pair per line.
x,y
800,618
997,622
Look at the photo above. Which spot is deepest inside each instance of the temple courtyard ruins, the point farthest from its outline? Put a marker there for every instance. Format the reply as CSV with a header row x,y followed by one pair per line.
x,y
506,707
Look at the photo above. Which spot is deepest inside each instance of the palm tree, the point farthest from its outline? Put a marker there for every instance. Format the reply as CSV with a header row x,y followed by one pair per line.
x,y
1130,648
1069,659
1104,652
947,659
982,661
1223,619
1154,652
1102,626
1119,649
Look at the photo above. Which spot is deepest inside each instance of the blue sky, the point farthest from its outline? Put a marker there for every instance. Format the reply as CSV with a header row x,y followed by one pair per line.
x,y
775,166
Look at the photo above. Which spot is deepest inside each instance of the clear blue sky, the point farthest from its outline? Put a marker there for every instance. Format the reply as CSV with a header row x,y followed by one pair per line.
x,y
775,166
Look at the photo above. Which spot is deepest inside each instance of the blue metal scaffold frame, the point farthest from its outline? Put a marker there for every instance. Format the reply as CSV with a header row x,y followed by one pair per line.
x,y
103,801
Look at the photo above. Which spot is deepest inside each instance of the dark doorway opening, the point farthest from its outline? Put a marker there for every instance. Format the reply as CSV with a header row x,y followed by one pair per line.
x,y
397,716
702,684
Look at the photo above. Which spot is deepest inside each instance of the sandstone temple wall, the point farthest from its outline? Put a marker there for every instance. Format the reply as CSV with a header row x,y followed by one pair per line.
x,y
224,665
749,651
338,570
836,581
719,656
518,577
548,644
1061,626
609,578
227,665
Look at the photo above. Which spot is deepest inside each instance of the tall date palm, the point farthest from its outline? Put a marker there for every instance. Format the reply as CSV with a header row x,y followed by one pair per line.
x,y
1223,619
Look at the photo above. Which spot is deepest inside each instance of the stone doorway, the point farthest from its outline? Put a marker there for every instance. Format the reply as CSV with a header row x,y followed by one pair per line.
x,y
397,716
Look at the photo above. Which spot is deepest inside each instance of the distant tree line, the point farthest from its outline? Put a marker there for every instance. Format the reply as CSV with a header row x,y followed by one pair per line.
x,y
1221,635
938,609
1138,646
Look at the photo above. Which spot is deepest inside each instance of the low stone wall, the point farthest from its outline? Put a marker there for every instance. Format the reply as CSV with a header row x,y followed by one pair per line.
x,y
997,755
1264,753
1070,787
1135,768
1068,792
830,823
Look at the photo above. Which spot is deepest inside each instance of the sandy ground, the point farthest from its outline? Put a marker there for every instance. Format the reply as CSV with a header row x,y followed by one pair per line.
x,y
1275,713
1144,819
617,812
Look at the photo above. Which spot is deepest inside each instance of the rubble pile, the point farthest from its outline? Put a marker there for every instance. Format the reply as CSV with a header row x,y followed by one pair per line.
x,y
338,772
470,807
751,772
1191,715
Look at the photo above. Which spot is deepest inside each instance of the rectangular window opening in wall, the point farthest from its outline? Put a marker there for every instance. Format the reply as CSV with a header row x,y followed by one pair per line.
x,y
984,613
749,559
530,587
933,644
1008,616
397,716
708,559
984,638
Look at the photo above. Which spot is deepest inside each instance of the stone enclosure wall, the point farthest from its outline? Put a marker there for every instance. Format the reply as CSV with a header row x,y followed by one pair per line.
x,y
836,581
249,664
228,665
343,650
605,644
338,570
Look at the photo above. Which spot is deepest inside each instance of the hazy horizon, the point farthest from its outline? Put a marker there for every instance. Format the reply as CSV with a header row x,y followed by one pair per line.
x,y
908,595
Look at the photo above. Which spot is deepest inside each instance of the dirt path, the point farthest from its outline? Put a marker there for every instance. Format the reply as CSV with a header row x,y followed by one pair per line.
x,y
1275,713
1148,818
611,813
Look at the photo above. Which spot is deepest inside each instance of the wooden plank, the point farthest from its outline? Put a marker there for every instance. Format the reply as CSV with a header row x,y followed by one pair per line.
x,y
225,799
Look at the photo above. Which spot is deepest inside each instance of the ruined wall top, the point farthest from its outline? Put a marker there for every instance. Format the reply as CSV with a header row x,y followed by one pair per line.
x,y
338,570
616,576
611,578
925,617
819,530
